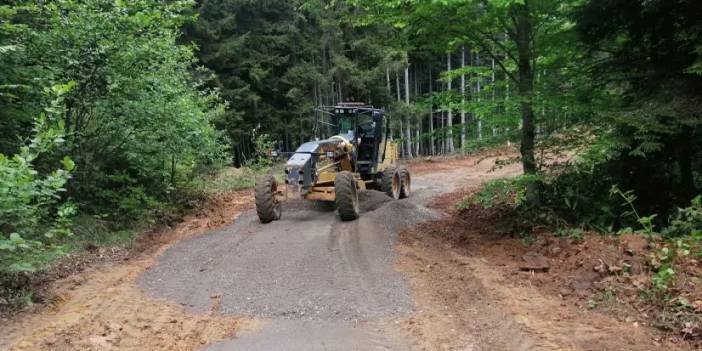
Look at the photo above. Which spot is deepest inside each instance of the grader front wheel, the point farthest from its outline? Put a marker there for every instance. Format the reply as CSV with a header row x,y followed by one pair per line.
x,y
268,206
406,182
346,196
391,182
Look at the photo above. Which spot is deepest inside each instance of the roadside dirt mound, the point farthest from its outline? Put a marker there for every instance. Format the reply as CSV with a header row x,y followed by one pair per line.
x,y
581,294
434,164
103,309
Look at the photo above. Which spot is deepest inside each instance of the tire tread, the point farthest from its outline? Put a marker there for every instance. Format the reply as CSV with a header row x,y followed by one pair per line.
x,y
266,207
346,196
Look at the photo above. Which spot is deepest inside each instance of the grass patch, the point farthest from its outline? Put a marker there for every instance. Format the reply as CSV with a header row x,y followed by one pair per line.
x,y
91,232
230,179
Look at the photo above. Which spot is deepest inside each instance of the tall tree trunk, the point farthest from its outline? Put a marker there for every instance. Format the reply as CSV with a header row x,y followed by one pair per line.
x,y
397,87
389,86
523,32
418,129
333,92
399,100
494,89
463,99
444,140
325,73
387,76
449,120
401,136
478,89
341,95
173,170
320,94
408,133
432,150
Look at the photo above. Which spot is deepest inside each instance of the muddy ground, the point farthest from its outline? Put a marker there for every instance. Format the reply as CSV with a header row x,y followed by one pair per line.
x,y
400,278
103,308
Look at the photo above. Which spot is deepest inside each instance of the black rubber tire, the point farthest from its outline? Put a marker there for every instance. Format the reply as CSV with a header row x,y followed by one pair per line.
x,y
406,182
346,196
267,205
391,174
325,206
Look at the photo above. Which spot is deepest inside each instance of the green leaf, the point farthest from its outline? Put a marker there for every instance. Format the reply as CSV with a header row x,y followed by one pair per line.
x,y
16,238
22,267
68,164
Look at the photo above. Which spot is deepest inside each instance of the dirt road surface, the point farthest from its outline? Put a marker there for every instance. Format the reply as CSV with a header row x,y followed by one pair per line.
x,y
307,272
313,282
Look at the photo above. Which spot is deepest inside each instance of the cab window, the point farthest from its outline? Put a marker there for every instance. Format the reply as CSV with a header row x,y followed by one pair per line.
x,y
345,125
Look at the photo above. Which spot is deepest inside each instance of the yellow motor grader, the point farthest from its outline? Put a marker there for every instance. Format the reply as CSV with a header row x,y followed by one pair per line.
x,y
357,157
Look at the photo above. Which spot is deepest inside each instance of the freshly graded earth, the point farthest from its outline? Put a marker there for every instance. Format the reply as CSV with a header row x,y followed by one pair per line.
x,y
396,279
308,265
318,283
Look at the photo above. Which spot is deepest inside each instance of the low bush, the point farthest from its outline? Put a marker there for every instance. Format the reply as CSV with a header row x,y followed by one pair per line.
x,y
35,215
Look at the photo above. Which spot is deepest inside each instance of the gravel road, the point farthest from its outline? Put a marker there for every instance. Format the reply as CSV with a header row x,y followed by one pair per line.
x,y
317,283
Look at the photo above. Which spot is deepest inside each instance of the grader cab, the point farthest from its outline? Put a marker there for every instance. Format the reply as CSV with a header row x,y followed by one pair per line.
x,y
357,157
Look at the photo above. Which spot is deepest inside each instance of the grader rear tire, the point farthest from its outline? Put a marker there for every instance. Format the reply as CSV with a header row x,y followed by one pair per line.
x,y
267,205
391,182
346,196
405,182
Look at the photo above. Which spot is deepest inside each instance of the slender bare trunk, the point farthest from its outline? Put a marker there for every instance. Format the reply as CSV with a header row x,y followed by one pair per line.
x,y
494,89
387,76
449,121
401,136
444,139
408,133
478,89
333,92
463,100
399,99
418,129
432,150
397,87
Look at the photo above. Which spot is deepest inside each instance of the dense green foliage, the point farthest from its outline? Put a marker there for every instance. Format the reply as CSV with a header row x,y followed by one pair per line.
x,y
276,60
136,117
615,82
133,127
645,53
32,212
151,93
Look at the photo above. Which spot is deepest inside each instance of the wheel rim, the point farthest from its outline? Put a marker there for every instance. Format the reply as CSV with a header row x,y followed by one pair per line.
x,y
395,185
408,184
276,201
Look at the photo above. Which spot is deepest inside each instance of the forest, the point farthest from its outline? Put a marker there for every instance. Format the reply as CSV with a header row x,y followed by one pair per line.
x,y
114,113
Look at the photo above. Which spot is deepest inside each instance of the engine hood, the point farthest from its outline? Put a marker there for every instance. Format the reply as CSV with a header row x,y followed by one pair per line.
x,y
301,167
